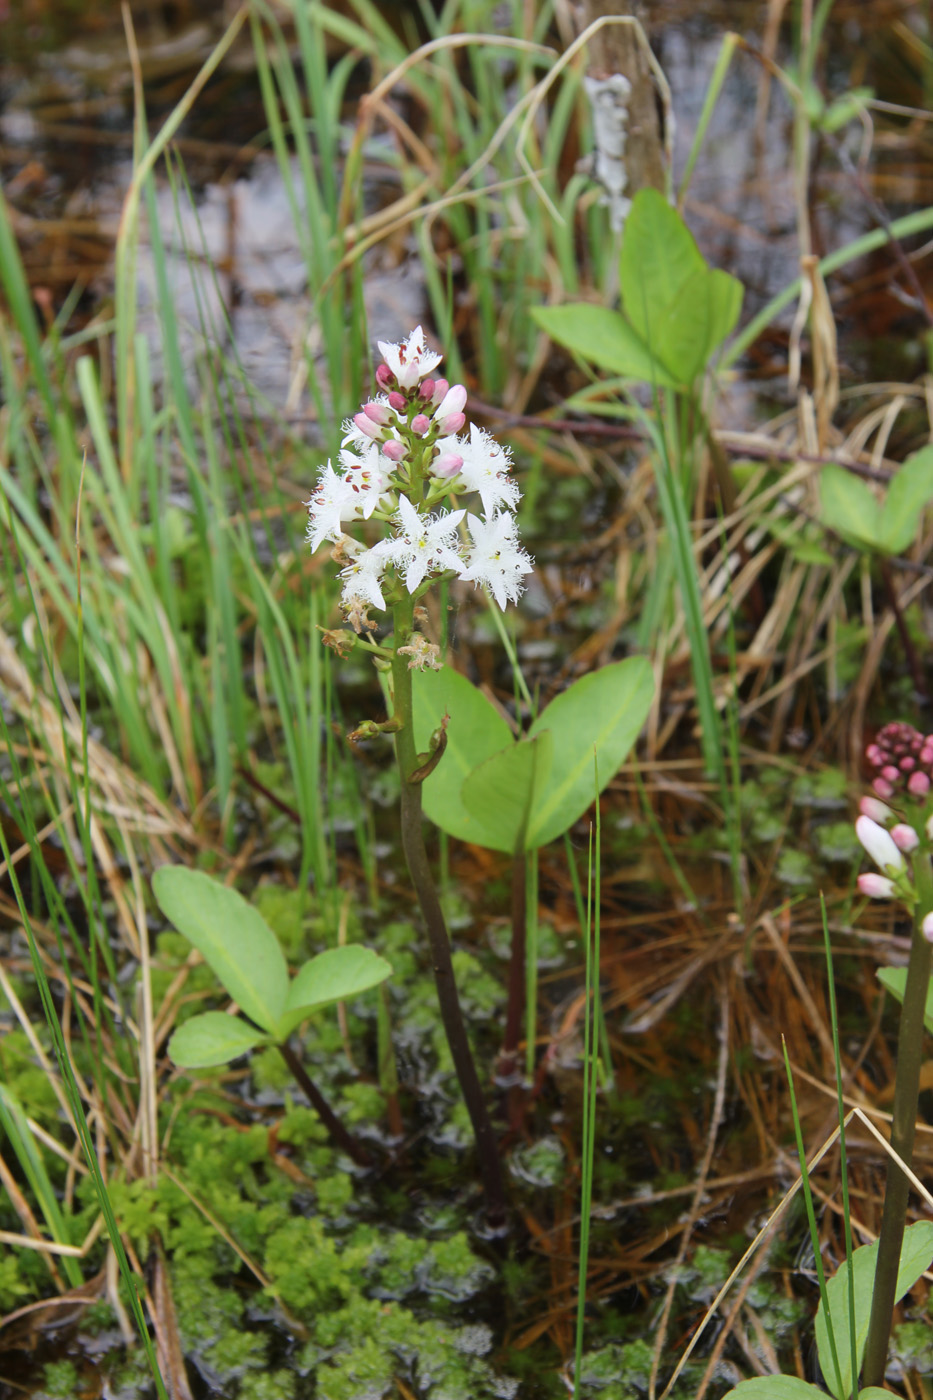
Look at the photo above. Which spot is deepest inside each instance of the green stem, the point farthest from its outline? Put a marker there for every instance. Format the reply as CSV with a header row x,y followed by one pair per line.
x,y
904,1120
409,761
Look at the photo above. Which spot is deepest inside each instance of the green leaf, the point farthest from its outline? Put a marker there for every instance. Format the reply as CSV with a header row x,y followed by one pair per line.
x,y
476,731
874,1392
725,304
916,1255
659,255
605,709
605,338
894,980
910,490
213,1039
334,975
680,330
499,792
848,507
775,1388
231,936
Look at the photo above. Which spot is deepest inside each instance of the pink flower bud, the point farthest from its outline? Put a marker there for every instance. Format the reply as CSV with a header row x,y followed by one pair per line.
x,y
420,424
875,887
870,807
426,389
918,784
874,755
384,377
440,389
451,424
890,773
398,401
367,426
454,401
447,464
393,449
882,788
908,764
926,928
377,413
904,837
879,844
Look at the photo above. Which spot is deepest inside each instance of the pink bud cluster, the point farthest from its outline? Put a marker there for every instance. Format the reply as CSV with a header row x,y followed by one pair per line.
x,y
902,760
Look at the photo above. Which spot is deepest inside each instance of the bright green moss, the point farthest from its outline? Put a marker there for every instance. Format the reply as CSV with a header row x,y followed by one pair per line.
x,y
61,1380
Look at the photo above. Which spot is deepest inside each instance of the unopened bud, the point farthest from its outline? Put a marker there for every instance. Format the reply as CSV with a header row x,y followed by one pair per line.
x,y
384,377
875,887
440,389
918,784
393,449
871,807
376,412
420,424
398,401
454,401
451,424
879,844
426,389
447,464
367,426
905,838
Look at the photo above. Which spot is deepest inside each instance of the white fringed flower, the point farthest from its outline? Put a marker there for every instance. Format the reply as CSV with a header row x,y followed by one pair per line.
x,y
485,469
426,543
362,578
497,560
332,502
410,361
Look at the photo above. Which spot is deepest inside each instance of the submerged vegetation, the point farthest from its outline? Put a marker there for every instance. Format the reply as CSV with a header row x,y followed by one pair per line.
x,y
664,994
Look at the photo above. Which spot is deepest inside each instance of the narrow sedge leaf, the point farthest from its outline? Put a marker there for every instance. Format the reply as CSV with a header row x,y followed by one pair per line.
x,y
775,1388
499,792
916,1255
213,1039
605,710
894,980
911,489
231,936
476,731
334,975
605,339
848,507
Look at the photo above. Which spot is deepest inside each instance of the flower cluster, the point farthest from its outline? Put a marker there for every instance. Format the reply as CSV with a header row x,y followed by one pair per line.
x,y
902,760
402,455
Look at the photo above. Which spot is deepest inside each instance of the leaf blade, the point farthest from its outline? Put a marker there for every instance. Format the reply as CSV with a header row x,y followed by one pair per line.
x,y
605,339
231,936
607,709
916,1254
499,792
337,974
476,732
213,1038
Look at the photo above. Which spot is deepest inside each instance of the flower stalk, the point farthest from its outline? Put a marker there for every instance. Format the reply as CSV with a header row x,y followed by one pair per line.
x,y
903,1127
410,763
900,845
